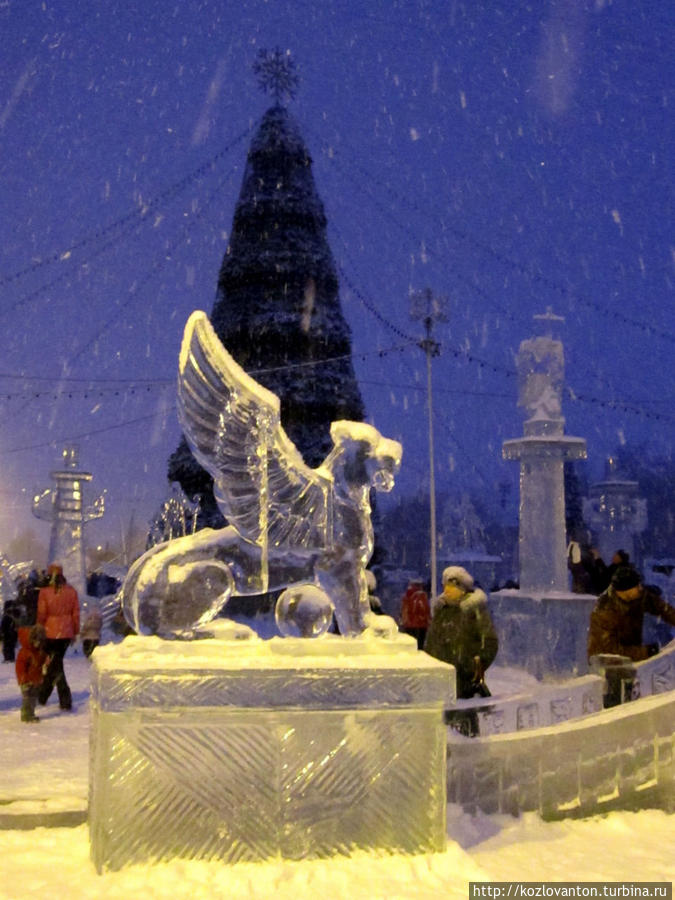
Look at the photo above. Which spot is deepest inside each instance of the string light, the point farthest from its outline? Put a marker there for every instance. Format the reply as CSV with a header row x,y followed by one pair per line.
x,y
140,213
133,220
85,434
156,267
463,234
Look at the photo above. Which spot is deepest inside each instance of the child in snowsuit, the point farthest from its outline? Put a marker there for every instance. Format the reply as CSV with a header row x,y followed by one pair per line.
x,y
31,663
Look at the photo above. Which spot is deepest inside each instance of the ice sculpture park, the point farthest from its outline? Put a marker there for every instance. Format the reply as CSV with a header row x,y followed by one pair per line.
x,y
209,743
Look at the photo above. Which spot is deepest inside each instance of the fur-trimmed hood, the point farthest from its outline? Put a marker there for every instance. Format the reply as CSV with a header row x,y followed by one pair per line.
x,y
474,600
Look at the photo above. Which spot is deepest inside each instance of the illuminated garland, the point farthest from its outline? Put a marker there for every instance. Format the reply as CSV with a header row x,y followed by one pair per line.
x,y
140,213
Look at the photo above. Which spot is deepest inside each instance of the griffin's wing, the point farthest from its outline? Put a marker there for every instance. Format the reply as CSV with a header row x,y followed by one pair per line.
x,y
232,424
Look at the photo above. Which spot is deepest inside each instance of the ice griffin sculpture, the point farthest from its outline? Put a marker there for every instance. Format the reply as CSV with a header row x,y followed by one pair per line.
x,y
289,524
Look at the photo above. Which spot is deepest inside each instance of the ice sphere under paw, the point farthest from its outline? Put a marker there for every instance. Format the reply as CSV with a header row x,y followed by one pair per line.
x,y
190,596
303,611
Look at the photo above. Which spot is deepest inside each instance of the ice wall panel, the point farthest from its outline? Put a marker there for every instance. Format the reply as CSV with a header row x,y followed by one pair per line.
x,y
616,756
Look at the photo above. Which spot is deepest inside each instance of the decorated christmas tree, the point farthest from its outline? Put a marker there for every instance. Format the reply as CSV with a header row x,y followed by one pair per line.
x,y
277,308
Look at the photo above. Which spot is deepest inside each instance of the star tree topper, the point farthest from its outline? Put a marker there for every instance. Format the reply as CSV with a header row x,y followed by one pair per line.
x,y
276,73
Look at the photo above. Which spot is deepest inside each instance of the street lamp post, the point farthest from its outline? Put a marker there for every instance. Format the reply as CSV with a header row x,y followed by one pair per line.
x,y
429,309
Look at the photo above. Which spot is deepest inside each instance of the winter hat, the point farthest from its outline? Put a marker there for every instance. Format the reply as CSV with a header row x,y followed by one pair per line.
x,y
622,558
625,578
459,576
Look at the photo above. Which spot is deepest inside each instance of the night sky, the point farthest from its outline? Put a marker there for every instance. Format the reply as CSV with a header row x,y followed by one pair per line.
x,y
510,156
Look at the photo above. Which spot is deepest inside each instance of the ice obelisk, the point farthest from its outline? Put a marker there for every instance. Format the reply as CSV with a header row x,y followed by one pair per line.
x,y
542,452
62,505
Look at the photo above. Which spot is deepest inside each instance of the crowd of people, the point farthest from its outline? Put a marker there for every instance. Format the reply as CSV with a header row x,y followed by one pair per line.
x,y
590,574
617,620
21,610
456,627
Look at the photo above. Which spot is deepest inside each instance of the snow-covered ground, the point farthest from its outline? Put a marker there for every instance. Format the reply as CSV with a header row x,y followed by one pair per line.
x,y
45,766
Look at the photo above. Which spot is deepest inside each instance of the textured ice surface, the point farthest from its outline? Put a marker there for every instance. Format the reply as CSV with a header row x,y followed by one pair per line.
x,y
289,524
541,373
549,704
248,750
545,633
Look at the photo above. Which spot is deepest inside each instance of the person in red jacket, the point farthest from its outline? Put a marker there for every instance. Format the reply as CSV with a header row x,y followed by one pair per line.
x,y
415,613
59,613
30,666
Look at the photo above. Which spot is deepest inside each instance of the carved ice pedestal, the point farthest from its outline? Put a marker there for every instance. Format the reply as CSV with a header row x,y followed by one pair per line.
x,y
545,633
246,750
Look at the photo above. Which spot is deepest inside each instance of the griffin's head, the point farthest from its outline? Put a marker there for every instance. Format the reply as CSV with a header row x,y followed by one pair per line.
x,y
367,458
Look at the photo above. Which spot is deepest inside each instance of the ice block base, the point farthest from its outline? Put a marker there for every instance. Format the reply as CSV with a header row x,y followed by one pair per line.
x,y
250,750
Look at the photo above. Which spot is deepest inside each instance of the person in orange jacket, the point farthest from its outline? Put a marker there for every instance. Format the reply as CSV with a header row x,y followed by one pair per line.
x,y
31,664
59,613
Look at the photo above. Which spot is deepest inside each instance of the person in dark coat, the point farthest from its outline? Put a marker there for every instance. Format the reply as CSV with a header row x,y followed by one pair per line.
x,y
31,664
29,590
589,572
8,631
59,612
620,559
618,615
461,631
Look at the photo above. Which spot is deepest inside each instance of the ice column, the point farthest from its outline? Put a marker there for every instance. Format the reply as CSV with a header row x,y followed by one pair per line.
x,y
542,452
62,505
